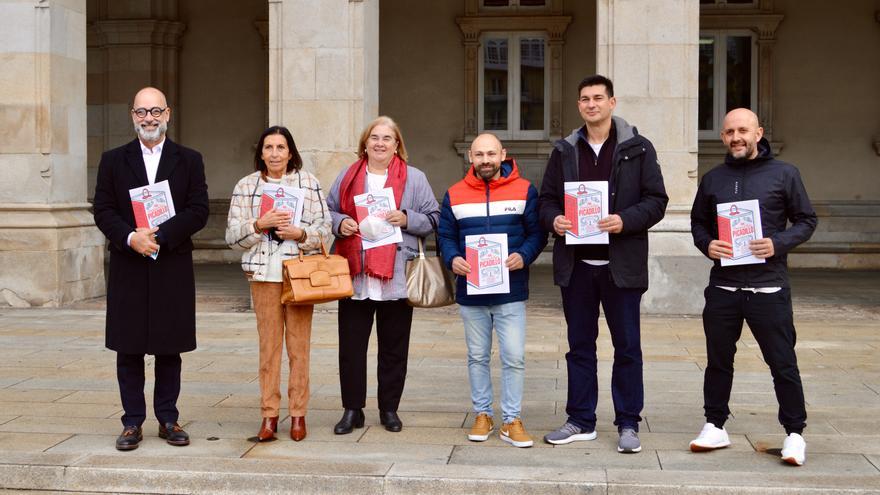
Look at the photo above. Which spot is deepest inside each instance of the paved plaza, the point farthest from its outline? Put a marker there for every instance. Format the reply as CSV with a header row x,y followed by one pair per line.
x,y
59,408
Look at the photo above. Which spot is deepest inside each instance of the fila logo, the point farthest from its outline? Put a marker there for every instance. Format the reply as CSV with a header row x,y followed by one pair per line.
x,y
510,208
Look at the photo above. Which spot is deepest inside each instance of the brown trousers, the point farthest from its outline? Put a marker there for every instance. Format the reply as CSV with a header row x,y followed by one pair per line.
x,y
277,323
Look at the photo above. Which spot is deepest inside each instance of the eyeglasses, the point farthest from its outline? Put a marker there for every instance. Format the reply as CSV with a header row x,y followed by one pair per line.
x,y
142,112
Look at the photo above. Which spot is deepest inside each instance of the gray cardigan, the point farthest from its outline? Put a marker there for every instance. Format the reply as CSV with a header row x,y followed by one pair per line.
x,y
422,215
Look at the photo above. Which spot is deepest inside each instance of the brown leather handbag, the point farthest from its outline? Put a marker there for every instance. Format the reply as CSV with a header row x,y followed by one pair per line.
x,y
315,279
428,283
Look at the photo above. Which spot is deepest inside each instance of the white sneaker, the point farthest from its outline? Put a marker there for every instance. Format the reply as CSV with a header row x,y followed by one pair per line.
x,y
794,450
710,438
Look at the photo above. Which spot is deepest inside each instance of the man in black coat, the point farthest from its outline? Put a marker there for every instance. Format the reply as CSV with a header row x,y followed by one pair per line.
x,y
606,148
150,302
759,293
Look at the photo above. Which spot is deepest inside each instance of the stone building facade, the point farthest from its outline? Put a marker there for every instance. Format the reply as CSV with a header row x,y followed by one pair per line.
x,y
326,67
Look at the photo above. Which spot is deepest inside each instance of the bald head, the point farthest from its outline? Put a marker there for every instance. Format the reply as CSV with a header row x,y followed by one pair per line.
x,y
486,155
149,95
486,140
742,115
741,132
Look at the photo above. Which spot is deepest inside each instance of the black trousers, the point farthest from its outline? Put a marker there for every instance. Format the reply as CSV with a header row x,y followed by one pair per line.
x,y
393,324
130,375
769,317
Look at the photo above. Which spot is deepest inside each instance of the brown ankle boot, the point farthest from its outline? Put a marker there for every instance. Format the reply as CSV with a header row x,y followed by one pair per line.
x,y
297,428
267,429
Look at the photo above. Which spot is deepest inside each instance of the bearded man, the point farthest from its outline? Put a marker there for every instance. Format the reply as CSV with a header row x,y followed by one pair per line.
x,y
151,287
758,293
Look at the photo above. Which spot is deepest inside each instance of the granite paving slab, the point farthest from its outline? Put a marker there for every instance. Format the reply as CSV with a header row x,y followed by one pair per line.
x,y
152,446
347,452
765,462
561,458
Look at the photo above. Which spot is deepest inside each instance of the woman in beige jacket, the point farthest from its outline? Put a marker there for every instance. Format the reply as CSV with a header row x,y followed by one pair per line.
x,y
268,238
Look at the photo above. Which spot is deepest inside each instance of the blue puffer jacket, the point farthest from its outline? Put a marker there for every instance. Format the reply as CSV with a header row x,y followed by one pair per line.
x,y
507,205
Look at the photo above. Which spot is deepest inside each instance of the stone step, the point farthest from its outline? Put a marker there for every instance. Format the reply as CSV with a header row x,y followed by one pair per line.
x,y
124,473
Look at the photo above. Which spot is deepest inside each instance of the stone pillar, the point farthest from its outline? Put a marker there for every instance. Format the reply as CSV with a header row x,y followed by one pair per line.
x,y
50,250
649,50
324,77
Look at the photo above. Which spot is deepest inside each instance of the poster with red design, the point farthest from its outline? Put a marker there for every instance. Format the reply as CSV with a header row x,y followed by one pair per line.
x,y
739,223
486,255
372,208
152,205
585,204
283,198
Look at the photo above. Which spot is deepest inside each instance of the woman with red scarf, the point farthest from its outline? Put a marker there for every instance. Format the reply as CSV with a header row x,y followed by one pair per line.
x,y
379,273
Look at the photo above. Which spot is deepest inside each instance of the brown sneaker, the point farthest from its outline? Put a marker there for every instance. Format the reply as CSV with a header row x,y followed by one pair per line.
x,y
515,434
483,426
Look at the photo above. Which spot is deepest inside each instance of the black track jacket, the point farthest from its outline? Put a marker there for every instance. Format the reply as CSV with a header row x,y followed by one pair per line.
x,y
782,198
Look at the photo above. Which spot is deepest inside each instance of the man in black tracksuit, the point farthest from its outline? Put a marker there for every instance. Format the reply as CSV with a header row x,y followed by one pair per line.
x,y
614,275
760,293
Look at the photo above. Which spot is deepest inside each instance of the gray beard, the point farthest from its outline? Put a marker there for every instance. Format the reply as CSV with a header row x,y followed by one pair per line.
x,y
745,154
151,136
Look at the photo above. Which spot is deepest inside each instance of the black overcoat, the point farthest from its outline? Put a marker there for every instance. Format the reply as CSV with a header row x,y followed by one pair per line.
x,y
151,303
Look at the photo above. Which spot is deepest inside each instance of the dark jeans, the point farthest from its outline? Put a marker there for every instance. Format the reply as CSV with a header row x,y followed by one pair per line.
x,y
393,323
130,375
589,286
770,319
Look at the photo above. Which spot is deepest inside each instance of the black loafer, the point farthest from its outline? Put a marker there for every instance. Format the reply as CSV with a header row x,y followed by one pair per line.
x,y
130,438
390,420
351,419
173,434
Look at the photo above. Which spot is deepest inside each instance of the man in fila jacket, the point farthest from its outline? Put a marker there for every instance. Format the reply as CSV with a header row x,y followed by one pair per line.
x,y
493,199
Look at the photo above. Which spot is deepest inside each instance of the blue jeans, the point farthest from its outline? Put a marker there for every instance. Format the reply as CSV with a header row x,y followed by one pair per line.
x,y
589,286
509,321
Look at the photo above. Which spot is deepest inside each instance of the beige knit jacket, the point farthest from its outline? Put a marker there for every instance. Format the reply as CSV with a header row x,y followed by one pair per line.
x,y
244,210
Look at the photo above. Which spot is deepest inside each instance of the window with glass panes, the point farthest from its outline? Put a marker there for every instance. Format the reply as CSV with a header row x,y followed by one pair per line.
x,y
727,77
514,85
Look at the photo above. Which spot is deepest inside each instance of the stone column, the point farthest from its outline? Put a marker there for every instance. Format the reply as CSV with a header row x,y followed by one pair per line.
x,y
50,250
649,50
324,77
129,46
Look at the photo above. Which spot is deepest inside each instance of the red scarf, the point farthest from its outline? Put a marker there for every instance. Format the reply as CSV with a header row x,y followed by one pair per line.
x,y
379,261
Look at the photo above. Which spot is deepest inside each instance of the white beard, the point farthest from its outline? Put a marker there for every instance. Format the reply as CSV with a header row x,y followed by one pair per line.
x,y
151,136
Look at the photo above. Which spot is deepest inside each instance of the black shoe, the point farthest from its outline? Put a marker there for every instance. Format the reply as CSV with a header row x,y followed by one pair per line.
x,y
390,420
351,418
173,434
129,439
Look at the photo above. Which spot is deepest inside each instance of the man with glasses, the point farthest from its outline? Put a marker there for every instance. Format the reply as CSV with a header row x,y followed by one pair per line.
x,y
605,149
151,288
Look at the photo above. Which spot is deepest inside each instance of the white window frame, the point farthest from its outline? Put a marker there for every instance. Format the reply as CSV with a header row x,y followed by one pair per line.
x,y
719,102
513,86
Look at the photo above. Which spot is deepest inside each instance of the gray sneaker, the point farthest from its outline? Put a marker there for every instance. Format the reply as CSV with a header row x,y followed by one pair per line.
x,y
567,433
629,441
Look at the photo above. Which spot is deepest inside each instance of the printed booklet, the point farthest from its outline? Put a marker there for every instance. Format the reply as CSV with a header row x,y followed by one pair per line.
x,y
486,255
738,223
585,204
372,209
152,205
